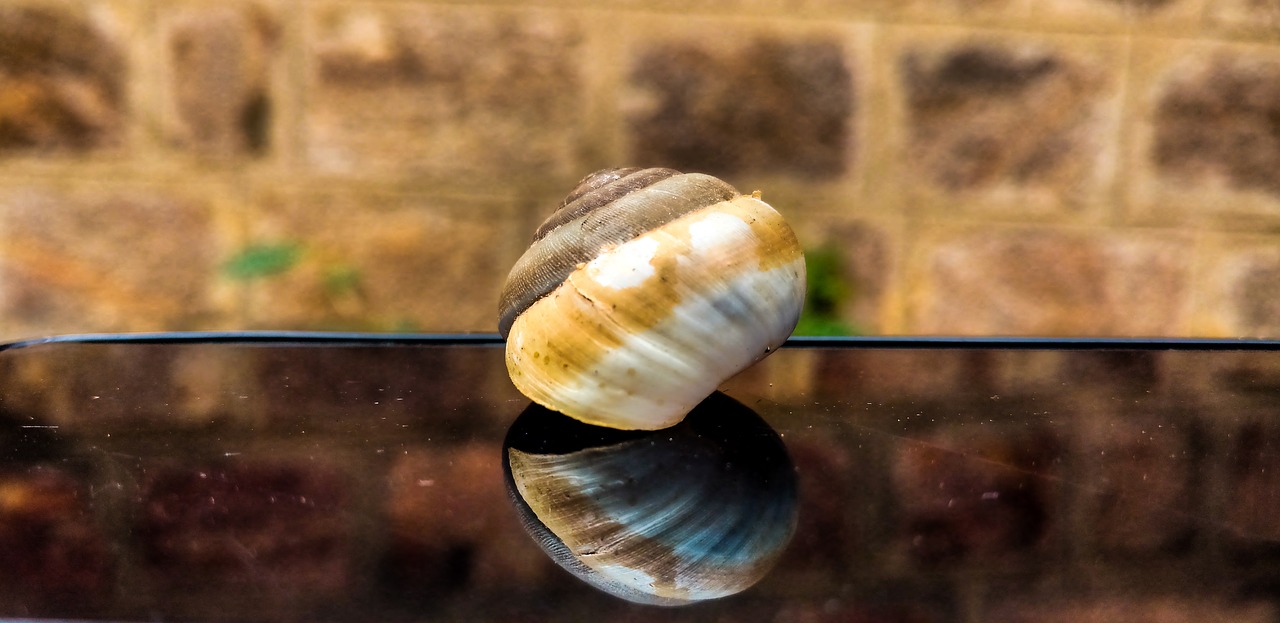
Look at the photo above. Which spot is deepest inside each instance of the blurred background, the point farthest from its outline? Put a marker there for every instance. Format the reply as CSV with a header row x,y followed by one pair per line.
x,y
969,167
978,167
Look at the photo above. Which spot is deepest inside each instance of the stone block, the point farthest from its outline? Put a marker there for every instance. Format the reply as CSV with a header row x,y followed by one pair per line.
x,y
255,523
763,102
967,497
89,256
446,536
1213,123
960,11
1205,148
1022,126
379,261
1120,15
1053,282
413,88
1249,16
1241,290
57,560
217,74
62,79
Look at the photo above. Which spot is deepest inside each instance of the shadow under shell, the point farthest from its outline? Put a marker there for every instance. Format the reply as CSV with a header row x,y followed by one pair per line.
x,y
697,511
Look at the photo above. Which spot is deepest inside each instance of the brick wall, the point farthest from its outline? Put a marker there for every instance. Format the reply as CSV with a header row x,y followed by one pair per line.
x,y
1092,167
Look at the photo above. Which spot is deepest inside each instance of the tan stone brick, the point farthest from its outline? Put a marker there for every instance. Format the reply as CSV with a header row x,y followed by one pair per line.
x,y
217,71
106,257
1119,16
1204,150
1011,125
763,101
371,260
1240,289
1248,16
921,11
62,78
1053,282
411,89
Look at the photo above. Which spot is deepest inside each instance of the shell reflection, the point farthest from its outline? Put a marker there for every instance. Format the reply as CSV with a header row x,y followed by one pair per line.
x,y
697,511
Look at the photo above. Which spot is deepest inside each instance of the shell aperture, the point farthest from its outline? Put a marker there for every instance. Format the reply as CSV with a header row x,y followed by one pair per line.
x,y
698,511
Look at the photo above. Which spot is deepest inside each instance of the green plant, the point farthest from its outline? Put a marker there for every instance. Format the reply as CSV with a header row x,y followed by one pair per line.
x,y
827,290
341,280
260,260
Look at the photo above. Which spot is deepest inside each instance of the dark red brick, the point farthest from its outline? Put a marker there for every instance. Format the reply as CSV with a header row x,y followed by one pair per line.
x,y
56,557
280,523
1180,608
832,495
1252,512
453,529
976,496
1145,499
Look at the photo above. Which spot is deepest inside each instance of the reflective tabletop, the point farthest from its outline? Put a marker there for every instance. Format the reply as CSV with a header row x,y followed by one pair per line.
x,y
333,477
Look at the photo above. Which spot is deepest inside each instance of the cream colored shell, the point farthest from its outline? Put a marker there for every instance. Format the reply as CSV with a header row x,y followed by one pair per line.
x,y
640,334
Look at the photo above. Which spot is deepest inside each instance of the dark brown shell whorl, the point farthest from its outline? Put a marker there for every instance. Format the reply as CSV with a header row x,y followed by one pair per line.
x,y
607,208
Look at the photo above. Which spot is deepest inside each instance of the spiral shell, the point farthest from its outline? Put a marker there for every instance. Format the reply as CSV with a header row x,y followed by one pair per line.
x,y
699,511
646,290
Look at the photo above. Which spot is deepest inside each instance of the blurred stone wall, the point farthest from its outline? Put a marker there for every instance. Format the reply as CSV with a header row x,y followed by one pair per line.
x,y
1091,167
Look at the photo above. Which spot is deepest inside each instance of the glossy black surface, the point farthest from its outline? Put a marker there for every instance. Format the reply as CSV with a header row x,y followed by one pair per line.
x,y
351,477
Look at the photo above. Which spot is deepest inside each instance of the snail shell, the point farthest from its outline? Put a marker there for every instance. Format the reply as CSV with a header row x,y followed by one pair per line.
x,y
699,511
645,291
